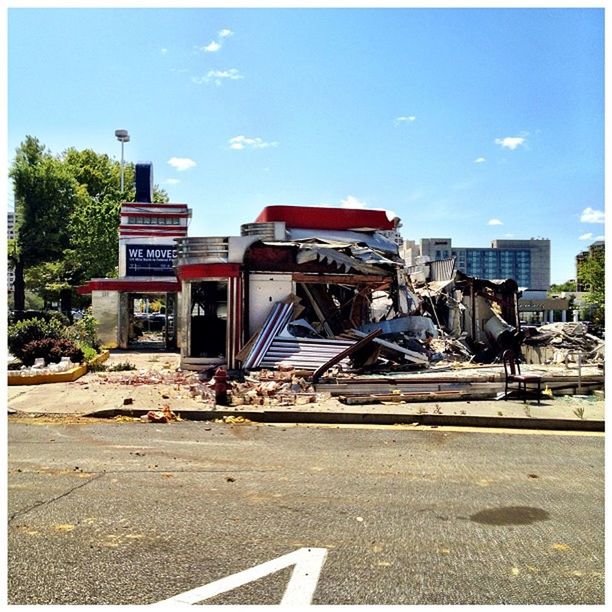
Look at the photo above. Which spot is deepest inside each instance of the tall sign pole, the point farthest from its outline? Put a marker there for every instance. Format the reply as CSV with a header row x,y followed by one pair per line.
x,y
123,137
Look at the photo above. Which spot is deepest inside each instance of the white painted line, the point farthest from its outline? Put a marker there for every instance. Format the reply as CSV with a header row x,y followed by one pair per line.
x,y
300,588
304,578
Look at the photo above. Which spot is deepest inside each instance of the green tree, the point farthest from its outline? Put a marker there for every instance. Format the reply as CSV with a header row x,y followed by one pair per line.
x,y
566,287
51,279
592,274
45,195
94,225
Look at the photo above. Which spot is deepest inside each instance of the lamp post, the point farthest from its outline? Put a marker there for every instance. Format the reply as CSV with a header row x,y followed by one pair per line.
x,y
123,137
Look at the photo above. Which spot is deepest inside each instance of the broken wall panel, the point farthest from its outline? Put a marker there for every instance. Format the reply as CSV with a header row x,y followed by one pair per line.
x,y
304,353
278,318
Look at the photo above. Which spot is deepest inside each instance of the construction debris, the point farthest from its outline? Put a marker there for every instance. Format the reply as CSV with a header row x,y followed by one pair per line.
x,y
563,343
233,420
267,387
165,415
346,290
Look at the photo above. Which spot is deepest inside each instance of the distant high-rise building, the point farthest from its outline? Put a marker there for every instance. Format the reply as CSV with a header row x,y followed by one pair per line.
x,y
525,261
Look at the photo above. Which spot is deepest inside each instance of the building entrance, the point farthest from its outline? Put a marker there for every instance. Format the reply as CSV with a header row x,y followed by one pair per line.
x,y
152,321
208,319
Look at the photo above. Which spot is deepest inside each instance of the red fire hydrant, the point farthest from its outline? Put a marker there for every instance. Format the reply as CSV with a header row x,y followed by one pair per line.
x,y
221,387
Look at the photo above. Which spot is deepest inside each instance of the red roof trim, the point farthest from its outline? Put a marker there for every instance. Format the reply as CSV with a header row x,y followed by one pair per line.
x,y
155,214
319,217
199,271
154,204
129,285
137,227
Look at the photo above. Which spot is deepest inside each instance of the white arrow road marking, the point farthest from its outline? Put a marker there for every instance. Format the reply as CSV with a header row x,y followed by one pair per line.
x,y
300,588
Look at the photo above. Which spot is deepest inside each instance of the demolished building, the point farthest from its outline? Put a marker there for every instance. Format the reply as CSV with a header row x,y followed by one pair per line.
x,y
302,285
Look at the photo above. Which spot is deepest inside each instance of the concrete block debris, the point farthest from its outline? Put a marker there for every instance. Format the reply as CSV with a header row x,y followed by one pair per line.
x,y
272,388
165,415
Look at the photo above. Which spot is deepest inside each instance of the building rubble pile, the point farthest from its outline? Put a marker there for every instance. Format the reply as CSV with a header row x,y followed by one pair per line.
x,y
425,318
563,343
282,387
469,321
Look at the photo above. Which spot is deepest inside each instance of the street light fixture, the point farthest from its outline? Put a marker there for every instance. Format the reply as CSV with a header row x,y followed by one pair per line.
x,y
123,137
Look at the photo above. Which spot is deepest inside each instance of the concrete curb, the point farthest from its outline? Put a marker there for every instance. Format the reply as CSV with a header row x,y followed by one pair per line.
x,y
360,418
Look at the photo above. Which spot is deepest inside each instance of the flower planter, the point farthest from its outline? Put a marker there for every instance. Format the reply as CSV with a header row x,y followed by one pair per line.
x,y
15,378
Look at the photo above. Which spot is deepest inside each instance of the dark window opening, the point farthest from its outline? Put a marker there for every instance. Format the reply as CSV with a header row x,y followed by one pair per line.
x,y
208,319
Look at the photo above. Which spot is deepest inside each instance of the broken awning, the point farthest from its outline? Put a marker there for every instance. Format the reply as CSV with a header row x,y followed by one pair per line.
x,y
373,240
329,256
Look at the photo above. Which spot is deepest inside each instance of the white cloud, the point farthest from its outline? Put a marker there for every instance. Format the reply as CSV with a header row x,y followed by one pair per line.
x,y
404,119
480,160
214,45
217,76
163,51
352,202
181,163
211,47
494,222
589,215
510,142
171,181
244,142
586,236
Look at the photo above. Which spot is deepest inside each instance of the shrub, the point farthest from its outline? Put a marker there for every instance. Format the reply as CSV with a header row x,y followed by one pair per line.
x,y
23,332
88,352
46,315
51,350
83,331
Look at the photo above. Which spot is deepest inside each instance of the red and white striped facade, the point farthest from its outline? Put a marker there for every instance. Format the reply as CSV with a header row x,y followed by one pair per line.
x,y
144,220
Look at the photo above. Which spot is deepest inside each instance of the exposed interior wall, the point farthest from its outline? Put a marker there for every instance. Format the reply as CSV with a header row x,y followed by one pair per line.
x,y
264,290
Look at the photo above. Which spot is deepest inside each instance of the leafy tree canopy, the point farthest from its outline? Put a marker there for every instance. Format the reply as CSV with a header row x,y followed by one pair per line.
x,y
67,209
592,273
567,287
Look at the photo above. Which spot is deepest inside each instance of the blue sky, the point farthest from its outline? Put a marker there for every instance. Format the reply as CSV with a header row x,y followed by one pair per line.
x,y
475,124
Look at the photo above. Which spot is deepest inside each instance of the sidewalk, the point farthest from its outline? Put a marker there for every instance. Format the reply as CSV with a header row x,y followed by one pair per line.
x,y
108,395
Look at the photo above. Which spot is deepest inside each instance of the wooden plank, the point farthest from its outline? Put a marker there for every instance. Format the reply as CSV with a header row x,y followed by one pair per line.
x,y
338,279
